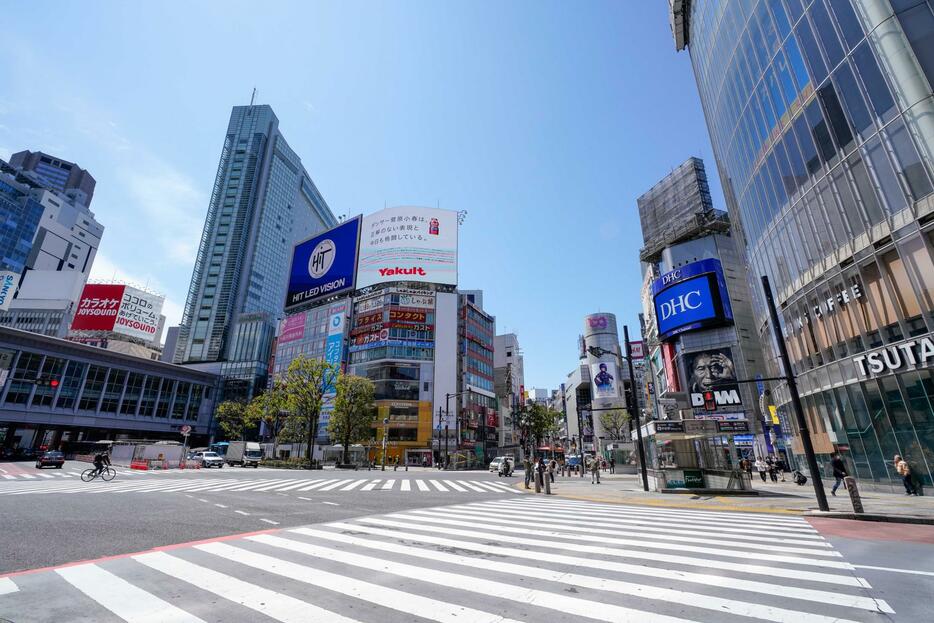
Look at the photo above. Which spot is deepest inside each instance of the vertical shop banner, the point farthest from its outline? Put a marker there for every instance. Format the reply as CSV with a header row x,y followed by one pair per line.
x,y
603,375
408,244
8,281
138,315
98,307
333,354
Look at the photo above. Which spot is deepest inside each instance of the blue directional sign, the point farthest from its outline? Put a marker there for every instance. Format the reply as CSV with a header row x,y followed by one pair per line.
x,y
324,265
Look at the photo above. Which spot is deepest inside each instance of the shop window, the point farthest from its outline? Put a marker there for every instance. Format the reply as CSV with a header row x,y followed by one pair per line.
x,y
918,257
881,303
903,293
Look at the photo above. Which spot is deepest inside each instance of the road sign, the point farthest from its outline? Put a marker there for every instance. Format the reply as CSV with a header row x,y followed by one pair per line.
x,y
185,430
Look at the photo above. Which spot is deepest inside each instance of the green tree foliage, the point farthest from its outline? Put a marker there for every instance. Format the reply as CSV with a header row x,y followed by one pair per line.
x,y
614,423
269,407
353,413
308,386
233,418
541,421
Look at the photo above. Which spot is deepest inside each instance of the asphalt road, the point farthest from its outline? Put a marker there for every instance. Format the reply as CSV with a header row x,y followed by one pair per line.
x,y
239,545
50,519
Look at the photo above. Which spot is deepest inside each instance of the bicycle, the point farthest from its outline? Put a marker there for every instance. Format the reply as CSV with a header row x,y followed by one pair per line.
x,y
107,473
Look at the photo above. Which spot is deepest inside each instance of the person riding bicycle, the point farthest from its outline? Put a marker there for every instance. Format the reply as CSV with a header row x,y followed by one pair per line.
x,y
100,460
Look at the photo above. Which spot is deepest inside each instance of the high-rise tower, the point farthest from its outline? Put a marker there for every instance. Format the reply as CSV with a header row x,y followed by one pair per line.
x,y
263,202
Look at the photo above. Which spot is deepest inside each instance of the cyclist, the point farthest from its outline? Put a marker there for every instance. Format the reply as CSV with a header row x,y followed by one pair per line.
x,y
100,460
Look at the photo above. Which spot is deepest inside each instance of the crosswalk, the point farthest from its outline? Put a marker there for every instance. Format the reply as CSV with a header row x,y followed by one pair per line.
x,y
500,560
259,485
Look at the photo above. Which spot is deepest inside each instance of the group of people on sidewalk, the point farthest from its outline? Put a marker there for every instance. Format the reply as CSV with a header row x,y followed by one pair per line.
x,y
548,467
772,466
902,468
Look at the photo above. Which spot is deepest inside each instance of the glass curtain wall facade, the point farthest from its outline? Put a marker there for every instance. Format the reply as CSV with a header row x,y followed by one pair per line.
x,y
821,117
263,202
478,416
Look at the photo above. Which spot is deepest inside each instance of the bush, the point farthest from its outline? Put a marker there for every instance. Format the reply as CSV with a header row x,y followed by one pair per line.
x,y
289,463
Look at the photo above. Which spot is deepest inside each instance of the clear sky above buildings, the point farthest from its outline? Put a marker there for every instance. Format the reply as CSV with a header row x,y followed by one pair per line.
x,y
544,120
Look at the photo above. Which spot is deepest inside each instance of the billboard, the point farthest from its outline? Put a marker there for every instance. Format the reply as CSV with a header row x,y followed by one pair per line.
x,y
712,380
603,376
8,281
324,265
118,308
691,297
408,244
293,328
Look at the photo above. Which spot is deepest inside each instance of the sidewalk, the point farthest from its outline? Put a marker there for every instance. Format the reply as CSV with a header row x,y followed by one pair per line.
x,y
781,497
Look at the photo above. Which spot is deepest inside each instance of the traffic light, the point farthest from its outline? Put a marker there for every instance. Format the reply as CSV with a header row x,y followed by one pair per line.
x,y
45,381
710,404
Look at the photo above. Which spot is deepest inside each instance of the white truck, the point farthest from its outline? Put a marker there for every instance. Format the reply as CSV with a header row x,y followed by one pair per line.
x,y
244,453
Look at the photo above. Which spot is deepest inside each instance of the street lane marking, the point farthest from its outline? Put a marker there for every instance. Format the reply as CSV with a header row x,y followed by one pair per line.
x,y
353,485
45,475
471,486
406,485
455,486
203,500
668,537
275,523
388,485
301,498
486,485
265,601
295,486
220,505
504,487
7,586
317,484
370,485
242,513
331,503
913,571
277,485
421,485
437,485
560,602
395,599
647,591
339,483
8,477
122,598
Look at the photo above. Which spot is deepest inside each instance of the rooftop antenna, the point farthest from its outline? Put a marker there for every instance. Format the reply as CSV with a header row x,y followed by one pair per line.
x,y
253,97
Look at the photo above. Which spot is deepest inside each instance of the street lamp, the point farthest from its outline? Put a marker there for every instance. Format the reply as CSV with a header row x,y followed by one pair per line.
x,y
385,434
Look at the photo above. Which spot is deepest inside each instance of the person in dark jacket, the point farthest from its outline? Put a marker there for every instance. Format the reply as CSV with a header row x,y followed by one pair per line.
x,y
839,472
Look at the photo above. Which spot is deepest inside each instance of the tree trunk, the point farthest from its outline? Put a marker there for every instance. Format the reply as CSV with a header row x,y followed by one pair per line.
x,y
312,438
346,459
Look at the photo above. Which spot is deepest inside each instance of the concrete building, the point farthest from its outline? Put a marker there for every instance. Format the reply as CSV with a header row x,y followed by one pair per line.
x,y
99,394
478,414
263,202
51,246
829,181
509,383
66,177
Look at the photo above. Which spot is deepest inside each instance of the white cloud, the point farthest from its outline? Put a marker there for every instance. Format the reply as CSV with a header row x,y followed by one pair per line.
x,y
105,269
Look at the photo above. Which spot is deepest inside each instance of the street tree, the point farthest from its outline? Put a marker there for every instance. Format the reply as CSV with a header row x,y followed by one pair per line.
x,y
308,387
615,423
542,422
268,408
353,413
233,418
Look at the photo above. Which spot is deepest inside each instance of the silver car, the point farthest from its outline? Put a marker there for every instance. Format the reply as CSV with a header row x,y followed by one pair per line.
x,y
208,459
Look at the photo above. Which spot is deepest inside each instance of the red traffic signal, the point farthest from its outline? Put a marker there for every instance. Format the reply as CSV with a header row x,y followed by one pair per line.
x,y
53,383
710,404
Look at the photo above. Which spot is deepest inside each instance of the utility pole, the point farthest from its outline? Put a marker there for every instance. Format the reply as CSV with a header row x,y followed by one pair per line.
x,y
795,399
635,409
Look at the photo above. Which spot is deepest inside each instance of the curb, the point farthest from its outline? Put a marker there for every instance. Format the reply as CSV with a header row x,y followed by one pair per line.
x,y
667,504
907,519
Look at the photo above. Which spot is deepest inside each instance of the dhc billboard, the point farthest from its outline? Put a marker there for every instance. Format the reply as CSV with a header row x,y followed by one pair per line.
x,y
324,265
691,297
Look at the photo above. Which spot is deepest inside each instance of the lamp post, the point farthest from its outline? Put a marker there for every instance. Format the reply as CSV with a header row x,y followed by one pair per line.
x,y
457,422
385,434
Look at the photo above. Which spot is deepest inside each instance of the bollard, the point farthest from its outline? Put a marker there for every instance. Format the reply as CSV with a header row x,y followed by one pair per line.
x,y
547,483
850,483
538,481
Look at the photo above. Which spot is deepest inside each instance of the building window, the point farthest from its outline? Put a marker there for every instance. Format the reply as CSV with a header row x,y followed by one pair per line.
x,y
93,387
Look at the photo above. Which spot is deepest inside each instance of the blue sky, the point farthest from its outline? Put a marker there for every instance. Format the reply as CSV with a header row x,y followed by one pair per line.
x,y
544,120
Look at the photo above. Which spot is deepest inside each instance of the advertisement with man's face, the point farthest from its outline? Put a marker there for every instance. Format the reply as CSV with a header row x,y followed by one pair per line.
x,y
603,377
712,379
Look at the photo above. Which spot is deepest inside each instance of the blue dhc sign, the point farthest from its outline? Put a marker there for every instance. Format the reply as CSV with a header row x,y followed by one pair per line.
x,y
324,265
691,297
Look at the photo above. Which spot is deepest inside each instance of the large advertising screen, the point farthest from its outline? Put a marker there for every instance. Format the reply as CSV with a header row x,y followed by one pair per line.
x,y
408,244
118,308
603,375
691,297
324,265
712,380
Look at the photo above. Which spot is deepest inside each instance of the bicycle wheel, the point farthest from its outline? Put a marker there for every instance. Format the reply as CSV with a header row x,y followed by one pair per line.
x,y
108,473
88,475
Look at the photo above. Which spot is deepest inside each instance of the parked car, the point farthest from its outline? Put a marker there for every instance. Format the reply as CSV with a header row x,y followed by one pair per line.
x,y
244,453
207,459
54,458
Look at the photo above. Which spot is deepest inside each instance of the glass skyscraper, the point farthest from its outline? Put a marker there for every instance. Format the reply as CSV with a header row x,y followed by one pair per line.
x,y
821,116
263,202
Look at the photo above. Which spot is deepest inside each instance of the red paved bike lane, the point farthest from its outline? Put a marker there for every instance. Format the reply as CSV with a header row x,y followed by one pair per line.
x,y
873,530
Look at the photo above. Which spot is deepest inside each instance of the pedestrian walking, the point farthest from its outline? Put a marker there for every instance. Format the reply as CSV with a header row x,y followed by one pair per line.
x,y
773,469
527,464
780,467
595,471
839,473
612,465
904,470
552,466
761,467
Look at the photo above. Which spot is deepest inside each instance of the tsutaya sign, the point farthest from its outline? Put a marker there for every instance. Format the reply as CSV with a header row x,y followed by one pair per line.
x,y
916,353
